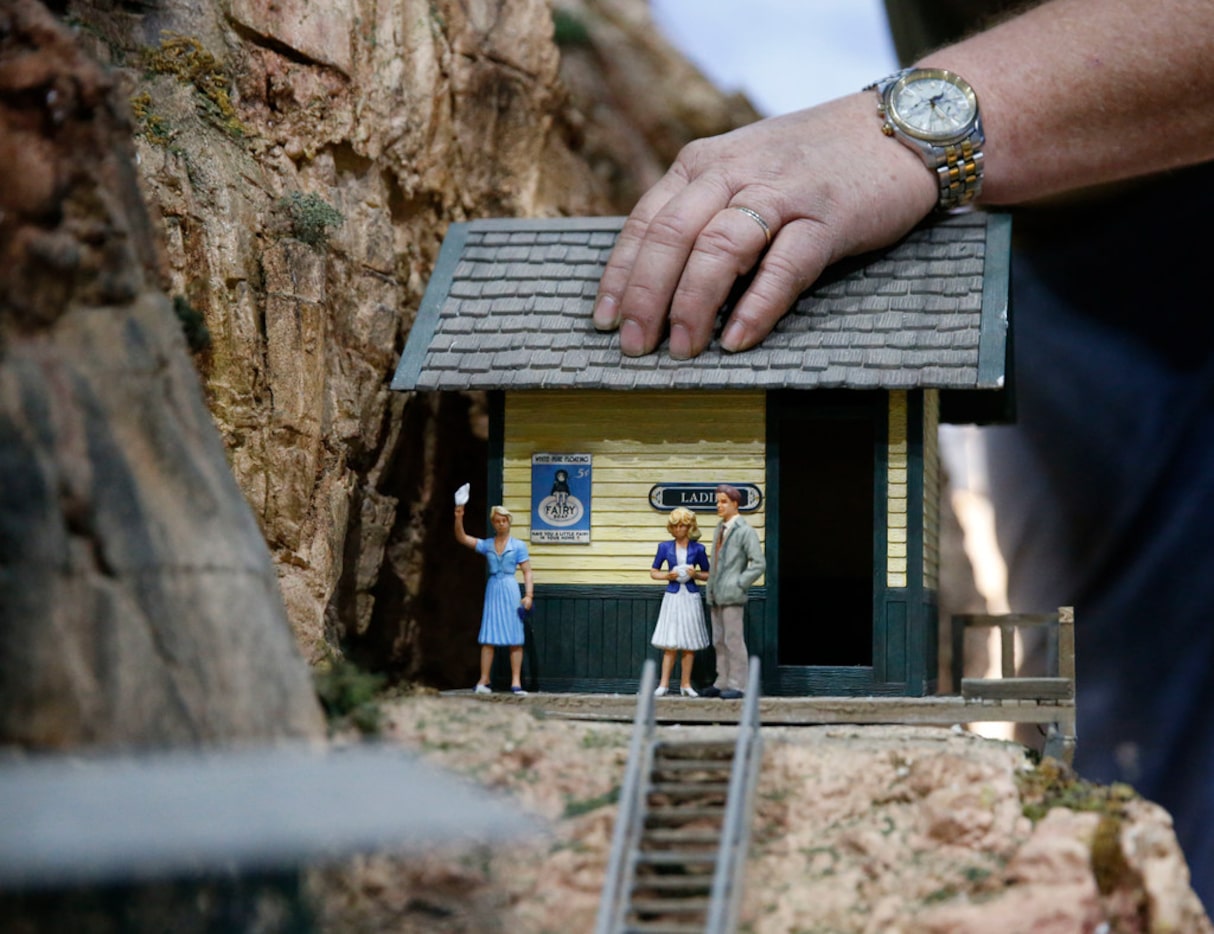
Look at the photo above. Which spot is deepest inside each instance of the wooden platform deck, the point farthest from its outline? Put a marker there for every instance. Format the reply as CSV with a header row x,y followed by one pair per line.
x,y
942,710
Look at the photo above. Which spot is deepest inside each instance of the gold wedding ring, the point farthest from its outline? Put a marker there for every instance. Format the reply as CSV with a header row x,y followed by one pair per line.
x,y
754,216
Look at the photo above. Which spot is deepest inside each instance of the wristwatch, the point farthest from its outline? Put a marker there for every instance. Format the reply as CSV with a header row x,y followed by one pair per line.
x,y
935,113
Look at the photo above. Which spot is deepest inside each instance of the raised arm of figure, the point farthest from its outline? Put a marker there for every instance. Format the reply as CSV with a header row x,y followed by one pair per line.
x,y
1073,93
461,534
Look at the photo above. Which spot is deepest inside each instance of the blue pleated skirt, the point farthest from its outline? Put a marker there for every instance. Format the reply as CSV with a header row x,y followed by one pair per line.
x,y
500,624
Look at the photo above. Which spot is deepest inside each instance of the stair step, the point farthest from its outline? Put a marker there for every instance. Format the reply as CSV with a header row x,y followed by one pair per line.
x,y
690,788
662,927
695,750
679,835
676,858
671,906
691,771
663,814
668,883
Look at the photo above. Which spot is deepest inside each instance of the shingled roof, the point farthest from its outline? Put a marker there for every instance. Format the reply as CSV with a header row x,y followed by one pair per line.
x,y
509,307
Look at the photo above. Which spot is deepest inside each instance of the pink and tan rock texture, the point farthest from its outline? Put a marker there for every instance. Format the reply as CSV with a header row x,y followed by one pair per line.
x,y
138,602
873,830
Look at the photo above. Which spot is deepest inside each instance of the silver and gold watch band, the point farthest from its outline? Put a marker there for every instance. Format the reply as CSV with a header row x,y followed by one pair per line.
x,y
959,172
957,162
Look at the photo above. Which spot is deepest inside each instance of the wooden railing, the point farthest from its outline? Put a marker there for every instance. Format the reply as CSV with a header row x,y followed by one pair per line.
x,y
1055,688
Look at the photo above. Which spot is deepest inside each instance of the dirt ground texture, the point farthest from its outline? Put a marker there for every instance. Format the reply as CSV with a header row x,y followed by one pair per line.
x,y
856,829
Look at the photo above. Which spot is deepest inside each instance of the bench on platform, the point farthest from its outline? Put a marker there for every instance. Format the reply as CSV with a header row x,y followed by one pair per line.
x,y
1055,689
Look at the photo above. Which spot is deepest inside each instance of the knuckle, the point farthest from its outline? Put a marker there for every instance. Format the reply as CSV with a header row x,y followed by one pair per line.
x,y
715,242
667,229
782,273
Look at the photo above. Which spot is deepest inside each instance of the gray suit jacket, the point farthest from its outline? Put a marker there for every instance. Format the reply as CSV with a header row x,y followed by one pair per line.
x,y
737,564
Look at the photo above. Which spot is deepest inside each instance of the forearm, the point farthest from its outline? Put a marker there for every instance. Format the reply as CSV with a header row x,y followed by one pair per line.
x,y
1073,94
462,536
1076,93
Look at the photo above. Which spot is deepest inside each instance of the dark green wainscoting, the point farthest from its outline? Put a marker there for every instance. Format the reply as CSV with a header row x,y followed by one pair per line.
x,y
594,639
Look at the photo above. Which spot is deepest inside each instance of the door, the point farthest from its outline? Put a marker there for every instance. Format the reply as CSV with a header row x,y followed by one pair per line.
x,y
826,501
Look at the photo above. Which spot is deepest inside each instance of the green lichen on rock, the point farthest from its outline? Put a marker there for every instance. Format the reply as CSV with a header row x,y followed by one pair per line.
x,y
1053,785
568,30
153,127
193,325
184,58
310,217
350,696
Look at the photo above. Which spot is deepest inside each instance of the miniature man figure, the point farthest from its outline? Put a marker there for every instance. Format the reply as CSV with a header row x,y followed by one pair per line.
x,y
737,562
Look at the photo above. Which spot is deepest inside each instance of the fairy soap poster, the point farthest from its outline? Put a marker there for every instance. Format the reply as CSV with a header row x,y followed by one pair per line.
x,y
560,498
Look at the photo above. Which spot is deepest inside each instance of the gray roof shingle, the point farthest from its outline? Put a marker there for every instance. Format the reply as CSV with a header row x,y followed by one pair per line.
x,y
509,305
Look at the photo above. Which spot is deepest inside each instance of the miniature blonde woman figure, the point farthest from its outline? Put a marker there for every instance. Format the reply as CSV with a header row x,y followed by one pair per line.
x,y
680,627
501,621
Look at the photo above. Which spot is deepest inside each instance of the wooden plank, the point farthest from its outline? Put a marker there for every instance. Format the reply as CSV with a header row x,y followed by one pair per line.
x,y
1005,619
1066,642
939,710
1007,652
1018,688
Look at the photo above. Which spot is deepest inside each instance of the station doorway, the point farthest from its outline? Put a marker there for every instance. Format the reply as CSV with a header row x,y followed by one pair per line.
x,y
827,502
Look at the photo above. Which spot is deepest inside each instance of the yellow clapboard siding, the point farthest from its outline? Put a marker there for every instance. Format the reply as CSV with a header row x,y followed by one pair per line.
x,y
631,535
645,475
647,418
595,578
636,440
659,451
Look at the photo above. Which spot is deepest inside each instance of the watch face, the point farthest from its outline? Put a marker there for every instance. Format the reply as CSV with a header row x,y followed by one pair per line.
x,y
933,104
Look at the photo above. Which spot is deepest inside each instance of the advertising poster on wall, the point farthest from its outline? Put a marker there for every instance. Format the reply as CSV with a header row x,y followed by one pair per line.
x,y
560,498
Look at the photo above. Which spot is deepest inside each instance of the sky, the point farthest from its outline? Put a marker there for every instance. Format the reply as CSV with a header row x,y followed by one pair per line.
x,y
783,54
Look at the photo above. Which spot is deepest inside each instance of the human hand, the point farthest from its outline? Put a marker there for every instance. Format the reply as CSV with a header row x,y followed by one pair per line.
x,y
826,183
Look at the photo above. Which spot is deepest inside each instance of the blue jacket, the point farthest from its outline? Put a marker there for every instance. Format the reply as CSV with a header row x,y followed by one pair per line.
x,y
697,556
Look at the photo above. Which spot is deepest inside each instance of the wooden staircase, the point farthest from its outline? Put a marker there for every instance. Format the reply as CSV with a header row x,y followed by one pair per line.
x,y
676,855
683,828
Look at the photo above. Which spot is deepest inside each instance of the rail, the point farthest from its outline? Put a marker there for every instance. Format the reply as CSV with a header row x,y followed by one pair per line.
x,y
739,808
667,871
613,904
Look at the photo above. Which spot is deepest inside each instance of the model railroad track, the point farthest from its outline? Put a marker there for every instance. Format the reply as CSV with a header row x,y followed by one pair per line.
x,y
679,850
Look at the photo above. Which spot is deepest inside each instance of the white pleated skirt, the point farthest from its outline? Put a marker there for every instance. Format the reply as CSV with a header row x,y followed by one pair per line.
x,y
681,622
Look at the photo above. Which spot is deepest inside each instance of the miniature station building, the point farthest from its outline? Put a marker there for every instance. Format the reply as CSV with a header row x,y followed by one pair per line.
x,y
829,428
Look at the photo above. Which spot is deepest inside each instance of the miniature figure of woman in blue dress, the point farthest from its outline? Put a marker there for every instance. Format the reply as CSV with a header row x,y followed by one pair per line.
x,y
680,627
502,620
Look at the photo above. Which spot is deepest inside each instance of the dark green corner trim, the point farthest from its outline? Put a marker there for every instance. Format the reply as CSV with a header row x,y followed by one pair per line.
x,y
495,481
417,345
775,407
993,359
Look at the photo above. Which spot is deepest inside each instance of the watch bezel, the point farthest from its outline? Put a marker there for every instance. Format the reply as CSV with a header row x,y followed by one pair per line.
x,y
923,74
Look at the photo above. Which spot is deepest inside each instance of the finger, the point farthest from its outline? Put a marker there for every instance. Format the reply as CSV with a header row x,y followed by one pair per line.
x,y
659,265
797,257
614,281
728,247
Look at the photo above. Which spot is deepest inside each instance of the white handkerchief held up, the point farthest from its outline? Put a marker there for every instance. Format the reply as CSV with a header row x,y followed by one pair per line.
x,y
461,495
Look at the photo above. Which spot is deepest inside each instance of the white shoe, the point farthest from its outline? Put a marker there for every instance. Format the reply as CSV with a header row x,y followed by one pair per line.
x,y
689,692
482,689
660,692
